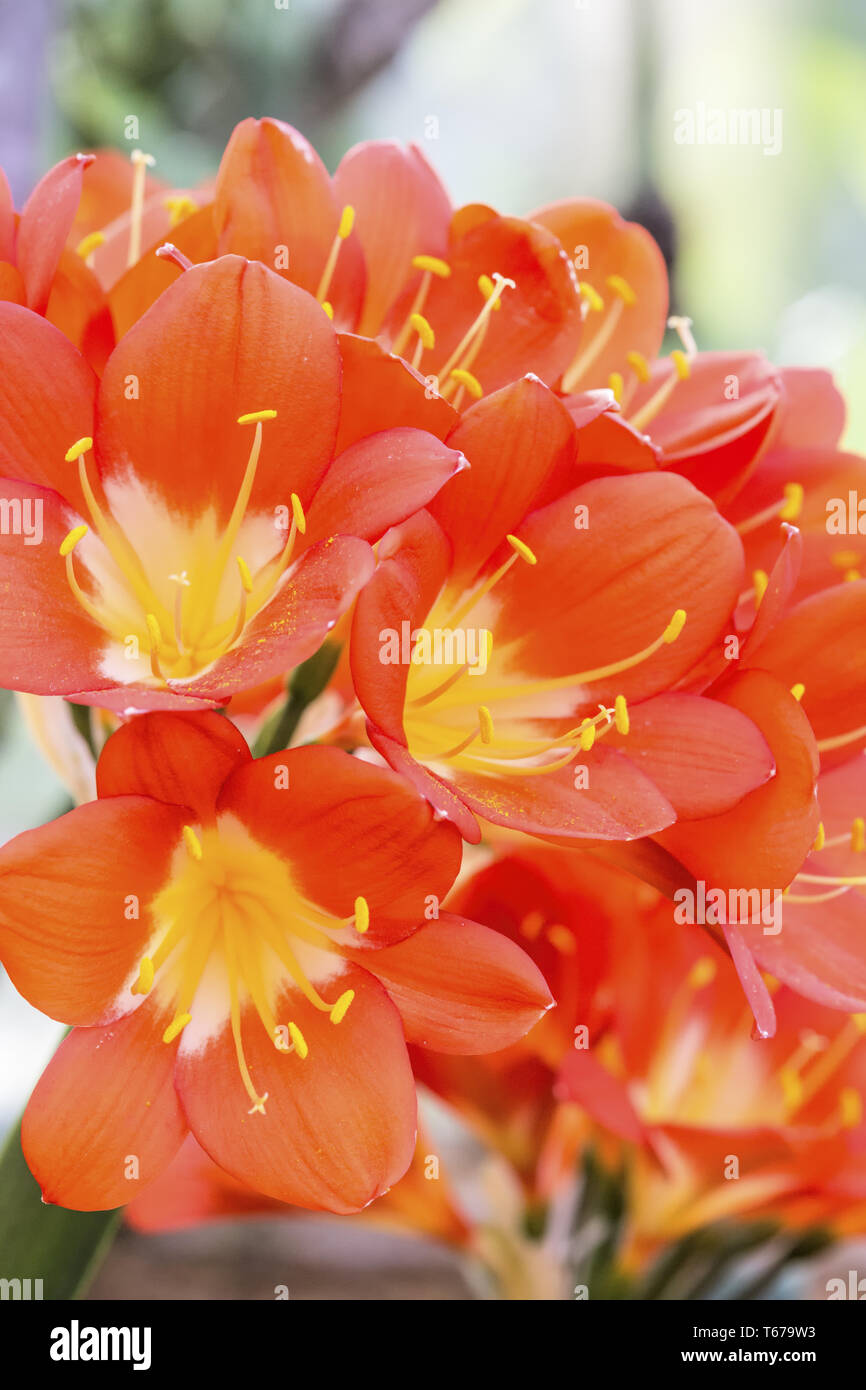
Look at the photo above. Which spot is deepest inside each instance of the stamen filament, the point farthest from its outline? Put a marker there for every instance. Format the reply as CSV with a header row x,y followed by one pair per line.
x,y
258,1106
347,222
815,897
670,634
114,541
585,359
787,509
141,163
825,745
502,283
521,550
155,635
650,409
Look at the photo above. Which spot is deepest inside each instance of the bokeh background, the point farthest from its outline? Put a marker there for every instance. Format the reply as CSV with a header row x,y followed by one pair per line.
x,y
517,103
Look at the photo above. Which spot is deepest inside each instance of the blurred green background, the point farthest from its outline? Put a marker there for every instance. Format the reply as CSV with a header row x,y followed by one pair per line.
x,y
517,103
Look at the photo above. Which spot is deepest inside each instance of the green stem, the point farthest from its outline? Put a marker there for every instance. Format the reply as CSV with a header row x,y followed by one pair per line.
x,y
83,721
306,684
62,1248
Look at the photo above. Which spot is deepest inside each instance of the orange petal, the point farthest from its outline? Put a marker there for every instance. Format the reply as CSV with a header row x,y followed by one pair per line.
x,y
105,1119
339,1124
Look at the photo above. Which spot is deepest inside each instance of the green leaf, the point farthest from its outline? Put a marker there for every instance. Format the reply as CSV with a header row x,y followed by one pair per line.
x,y
306,684
62,1248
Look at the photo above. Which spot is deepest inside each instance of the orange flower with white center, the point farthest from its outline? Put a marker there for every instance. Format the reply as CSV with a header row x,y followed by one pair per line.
x,y
382,250
196,535
565,615
725,1123
248,968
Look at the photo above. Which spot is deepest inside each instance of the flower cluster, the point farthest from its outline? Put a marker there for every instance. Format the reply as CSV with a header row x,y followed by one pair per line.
x,y
591,619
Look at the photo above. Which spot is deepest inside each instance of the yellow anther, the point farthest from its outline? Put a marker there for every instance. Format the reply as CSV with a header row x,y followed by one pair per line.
x,y
176,1026
145,977
792,1088
531,924
89,243
858,835
81,446
622,288
793,493
674,627
192,842
70,541
155,634
850,1107
299,1040
298,513
592,296
561,939
522,549
587,734
819,838
859,1021
472,384
639,365
433,264
798,690
180,205
246,577
620,718
681,364
153,631
423,329
338,1012
845,559
362,915
615,382
682,326
328,308
485,724
702,973
347,222
487,288
255,415
851,576
760,579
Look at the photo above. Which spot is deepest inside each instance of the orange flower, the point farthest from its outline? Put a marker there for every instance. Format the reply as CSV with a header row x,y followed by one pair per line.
x,y
196,536
821,950
245,947
194,1190
656,1057
469,298
582,607
725,1124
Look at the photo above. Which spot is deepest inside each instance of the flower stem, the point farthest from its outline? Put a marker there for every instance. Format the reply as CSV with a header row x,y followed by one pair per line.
x,y
305,685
